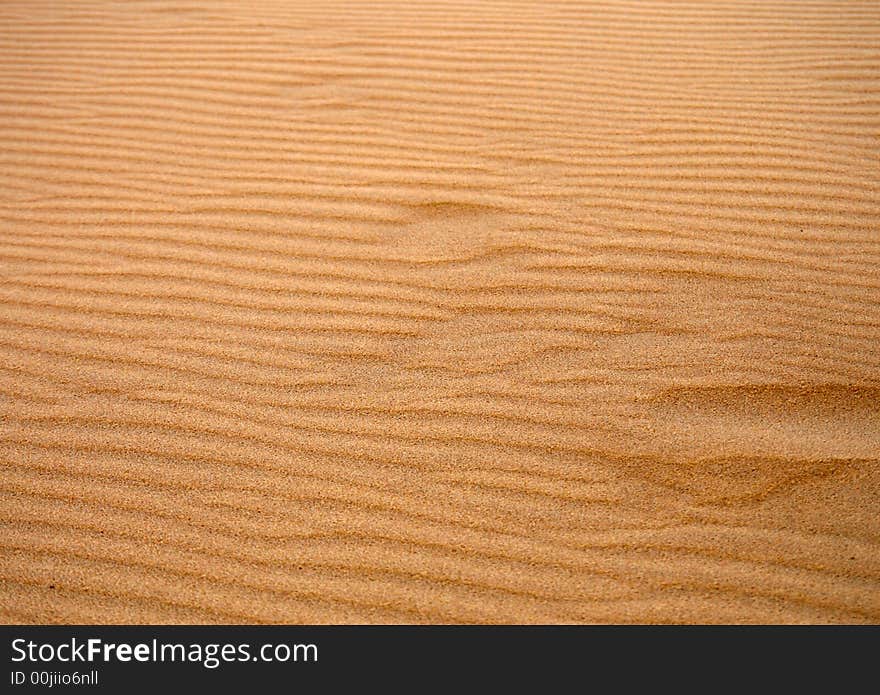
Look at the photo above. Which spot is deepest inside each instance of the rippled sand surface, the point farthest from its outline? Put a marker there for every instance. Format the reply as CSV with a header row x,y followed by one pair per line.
x,y
439,311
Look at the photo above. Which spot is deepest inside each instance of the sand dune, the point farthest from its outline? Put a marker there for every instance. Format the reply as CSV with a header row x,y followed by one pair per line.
x,y
440,312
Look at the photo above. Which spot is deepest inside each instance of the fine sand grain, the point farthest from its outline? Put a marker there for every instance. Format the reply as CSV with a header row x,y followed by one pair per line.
x,y
439,311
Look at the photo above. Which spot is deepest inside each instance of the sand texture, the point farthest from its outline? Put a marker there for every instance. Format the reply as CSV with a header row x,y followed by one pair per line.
x,y
439,311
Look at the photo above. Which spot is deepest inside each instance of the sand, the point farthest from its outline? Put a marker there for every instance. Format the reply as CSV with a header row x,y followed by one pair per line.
x,y
440,312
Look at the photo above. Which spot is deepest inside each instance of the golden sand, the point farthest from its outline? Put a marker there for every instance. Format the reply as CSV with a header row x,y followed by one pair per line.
x,y
440,311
